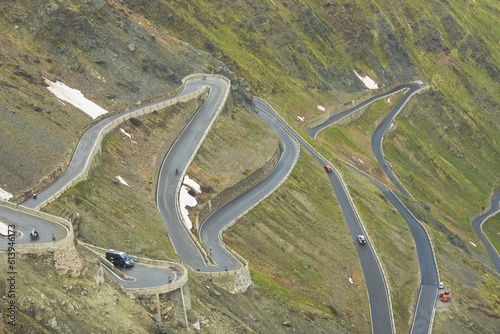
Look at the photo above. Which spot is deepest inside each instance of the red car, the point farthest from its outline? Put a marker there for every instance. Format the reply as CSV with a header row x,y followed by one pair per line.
x,y
328,168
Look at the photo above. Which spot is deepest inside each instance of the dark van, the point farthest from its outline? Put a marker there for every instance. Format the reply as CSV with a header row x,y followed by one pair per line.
x,y
121,259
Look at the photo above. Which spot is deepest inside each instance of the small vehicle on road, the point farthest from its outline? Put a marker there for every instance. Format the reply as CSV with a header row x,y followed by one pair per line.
x,y
118,258
441,285
34,234
445,297
361,239
327,168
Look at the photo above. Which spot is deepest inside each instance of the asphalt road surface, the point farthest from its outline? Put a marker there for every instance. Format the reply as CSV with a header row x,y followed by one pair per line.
x,y
429,286
477,226
211,229
81,154
427,297
380,312
25,223
379,133
146,276
178,158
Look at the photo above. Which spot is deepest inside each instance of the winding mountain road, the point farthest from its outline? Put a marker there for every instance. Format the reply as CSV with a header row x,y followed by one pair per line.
x,y
179,157
477,225
147,276
25,222
422,321
378,135
211,229
380,310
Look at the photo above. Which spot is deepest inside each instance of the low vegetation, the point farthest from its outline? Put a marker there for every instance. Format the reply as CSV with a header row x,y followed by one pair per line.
x,y
301,256
297,55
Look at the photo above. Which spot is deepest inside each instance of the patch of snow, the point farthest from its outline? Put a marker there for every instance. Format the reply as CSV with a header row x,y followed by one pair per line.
x,y
126,133
4,229
350,280
5,195
321,108
300,118
186,200
473,244
367,81
76,98
190,182
122,180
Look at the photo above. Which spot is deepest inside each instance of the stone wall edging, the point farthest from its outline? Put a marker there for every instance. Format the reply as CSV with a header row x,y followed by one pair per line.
x,y
421,90
47,179
40,248
337,110
183,173
379,264
230,193
234,287
158,263
96,149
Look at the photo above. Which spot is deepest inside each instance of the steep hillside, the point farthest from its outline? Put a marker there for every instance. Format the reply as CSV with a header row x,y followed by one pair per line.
x,y
444,147
299,55
91,46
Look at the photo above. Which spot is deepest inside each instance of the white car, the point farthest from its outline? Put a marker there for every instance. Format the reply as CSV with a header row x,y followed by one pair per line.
x,y
361,239
441,285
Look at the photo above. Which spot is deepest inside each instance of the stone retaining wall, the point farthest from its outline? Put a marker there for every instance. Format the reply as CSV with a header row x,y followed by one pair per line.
x,y
40,248
234,281
69,258
338,109
220,108
240,187
93,160
99,251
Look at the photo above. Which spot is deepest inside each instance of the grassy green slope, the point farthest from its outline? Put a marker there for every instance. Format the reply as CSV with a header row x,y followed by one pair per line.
x,y
445,158
299,54
491,229
304,257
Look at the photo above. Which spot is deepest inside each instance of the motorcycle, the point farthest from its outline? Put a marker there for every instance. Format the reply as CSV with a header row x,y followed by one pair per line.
x,y
34,235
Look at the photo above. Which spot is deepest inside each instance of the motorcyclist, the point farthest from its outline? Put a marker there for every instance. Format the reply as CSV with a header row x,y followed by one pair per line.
x,y
34,194
176,172
34,234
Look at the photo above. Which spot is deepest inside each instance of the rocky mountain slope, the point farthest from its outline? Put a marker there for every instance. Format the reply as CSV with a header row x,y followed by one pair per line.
x,y
298,55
